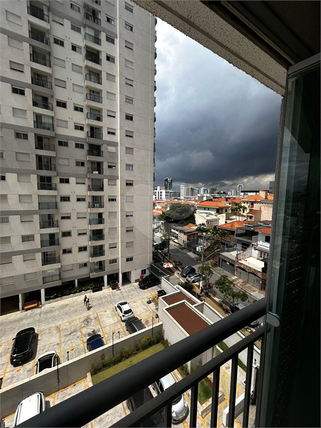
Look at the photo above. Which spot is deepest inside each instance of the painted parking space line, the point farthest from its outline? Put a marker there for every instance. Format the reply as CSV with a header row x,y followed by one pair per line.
x,y
102,330
82,335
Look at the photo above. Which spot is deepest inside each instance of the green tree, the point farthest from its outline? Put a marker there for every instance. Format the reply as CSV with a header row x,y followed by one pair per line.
x,y
206,272
236,208
225,286
213,237
179,213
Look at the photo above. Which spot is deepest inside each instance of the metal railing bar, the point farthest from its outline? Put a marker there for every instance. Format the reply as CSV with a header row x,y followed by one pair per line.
x,y
232,398
91,403
248,386
193,412
215,392
168,414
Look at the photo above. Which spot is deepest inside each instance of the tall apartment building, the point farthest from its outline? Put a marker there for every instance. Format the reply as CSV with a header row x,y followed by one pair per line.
x,y
77,143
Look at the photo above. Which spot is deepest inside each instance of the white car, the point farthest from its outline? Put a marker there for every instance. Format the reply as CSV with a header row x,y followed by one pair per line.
x,y
124,311
30,407
47,361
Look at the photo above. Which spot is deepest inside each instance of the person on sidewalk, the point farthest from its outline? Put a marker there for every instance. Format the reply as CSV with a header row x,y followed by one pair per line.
x,y
85,300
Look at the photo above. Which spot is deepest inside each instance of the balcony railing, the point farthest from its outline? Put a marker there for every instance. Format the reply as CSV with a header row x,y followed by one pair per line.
x,y
46,166
38,13
95,204
42,104
47,224
41,82
44,125
96,269
95,116
93,58
42,145
51,278
93,39
49,242
95,187
94,97
40,59
95,134
88,405
50,260
93,221
95,152
93,170
99,253
92,18
97,237
46,186
47,205
40,37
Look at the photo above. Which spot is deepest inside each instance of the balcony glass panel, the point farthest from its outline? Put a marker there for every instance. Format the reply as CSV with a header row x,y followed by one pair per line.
x,y
94,97
39,36
46,224
93,39
47,205
46,186
38,13
42,104
92,57
51,278
95,133
95,187
40,58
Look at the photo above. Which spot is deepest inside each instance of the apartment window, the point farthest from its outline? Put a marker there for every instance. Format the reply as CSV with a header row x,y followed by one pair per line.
x,y
23,157
129,82
76,68
5,239
18,112
129,134
129,117
67,251
130,229
112,198
15,43
110,58
78,108
80,180
82,232
27,238
129,244
16,90
62,143
129,213
129,100
79,146
3,198
81,198
111,113
62,104
112,214
111,149
129,27
57,19
26,218
112,230
111,131
65,217
60,83
129,151
111,96
63,161
59,42
30,276
75,28
81,215
76,48
78,127
81,249
64,180
2,178
21,135
60,63
80,163
64,198
129,167
129,7
78,88
75,7
16,66
4,220
110,39
129,182
24,178
112,261
29,257
113,246
111,182
129,45
9,280
12,17
129,259
67,267
129,198
111,77
111,165
82,265
129,64
66,234
110,20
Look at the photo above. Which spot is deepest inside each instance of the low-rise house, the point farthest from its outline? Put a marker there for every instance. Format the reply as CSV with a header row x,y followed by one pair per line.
x,y
211,213
187,236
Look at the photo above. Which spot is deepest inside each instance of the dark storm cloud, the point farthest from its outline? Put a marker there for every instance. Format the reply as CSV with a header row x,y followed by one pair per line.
x,y
215,124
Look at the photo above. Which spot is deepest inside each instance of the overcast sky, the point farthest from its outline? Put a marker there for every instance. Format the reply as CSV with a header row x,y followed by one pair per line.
x,y
216,126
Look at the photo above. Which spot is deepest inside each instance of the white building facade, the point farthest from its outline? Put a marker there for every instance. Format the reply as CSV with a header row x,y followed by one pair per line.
x,y
77,143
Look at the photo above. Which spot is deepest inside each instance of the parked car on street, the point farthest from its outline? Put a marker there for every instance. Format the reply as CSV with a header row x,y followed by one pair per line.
x,y
94,342
187,270
134,324
194,277
29,407
179,405
149,281
140,398
47,361
124,311
24,346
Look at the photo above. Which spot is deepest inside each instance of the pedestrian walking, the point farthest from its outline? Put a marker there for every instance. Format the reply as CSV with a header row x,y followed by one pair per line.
x,y
85,300
141,276
116,285
201,289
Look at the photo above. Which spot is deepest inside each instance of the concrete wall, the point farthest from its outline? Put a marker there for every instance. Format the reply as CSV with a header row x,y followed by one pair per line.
x,y
69,373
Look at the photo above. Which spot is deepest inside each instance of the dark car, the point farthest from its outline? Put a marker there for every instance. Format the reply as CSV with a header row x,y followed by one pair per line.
x,y
134,324
149,281
24,346
187,271
140,398
94,342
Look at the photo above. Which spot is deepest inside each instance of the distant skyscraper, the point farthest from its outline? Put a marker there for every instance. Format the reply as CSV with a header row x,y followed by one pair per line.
x,y
168,183
239,188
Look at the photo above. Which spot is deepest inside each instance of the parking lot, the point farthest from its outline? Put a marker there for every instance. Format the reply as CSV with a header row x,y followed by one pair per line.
x,y
64,326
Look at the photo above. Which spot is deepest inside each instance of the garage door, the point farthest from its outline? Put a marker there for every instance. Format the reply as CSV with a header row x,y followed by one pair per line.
x,y
229,267
254,280
242,274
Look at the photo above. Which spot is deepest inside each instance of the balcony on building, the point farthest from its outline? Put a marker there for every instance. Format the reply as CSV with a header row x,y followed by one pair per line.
x,y
39,35
95,133
92,15
41,80
96,202
95,150
97,267
97,235
40,57
47,202
96,186
92,36
43,122
45,183
97,251
98,2
53,275
50,258
49,240
94,96
94,114
47,221
40,12
96,219
93,77
45,163
40,101
43,143
96,168
93,56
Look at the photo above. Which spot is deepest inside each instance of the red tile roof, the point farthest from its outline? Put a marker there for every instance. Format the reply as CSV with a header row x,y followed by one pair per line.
x,y
177,297
254,211
190,225
253,198
270,197
267,231
213,204
232,225
189,320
